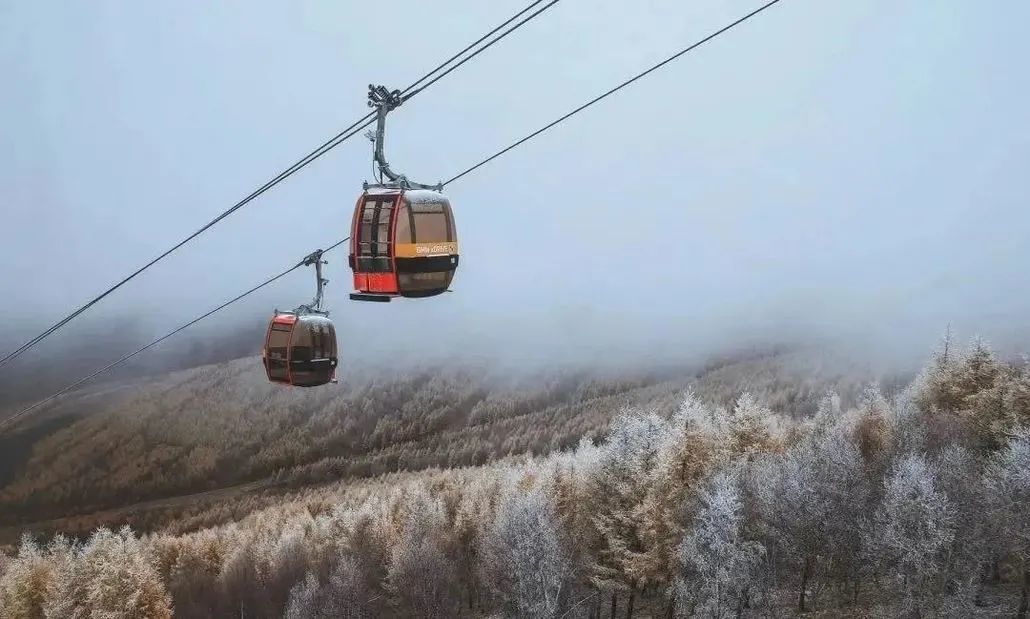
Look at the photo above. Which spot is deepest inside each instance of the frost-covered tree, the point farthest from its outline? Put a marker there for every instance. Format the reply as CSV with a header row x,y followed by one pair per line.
x,y
475,506
958,479
307,601
718,563
113,576
342,595
935,388
525,558
570,490
984,397
239,582
829,409
750,430
620,484
872,427
422,578
712,422
190,566
911,534
264,565
809,500
693,442
999,411
978,371
367,540
24,583
1007,481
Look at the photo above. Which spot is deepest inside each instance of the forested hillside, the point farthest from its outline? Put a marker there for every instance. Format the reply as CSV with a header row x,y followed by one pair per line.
x,y
915,503
224,425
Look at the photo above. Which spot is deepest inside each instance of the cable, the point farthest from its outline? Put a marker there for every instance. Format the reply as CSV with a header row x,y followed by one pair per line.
x,y
606,94
25,411
488,45
612,91
478,41
340,137
328,145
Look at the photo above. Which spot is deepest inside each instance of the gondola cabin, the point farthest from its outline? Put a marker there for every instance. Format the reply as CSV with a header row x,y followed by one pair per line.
x,y
403,243
300,349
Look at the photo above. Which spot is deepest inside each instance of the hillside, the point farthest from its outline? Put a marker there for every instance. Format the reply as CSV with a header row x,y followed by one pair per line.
x,y
223,426
909,503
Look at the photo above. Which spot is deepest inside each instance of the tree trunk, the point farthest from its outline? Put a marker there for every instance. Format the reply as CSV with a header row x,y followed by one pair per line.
x,y
615,603
1024,601
669,614
629,605
805,568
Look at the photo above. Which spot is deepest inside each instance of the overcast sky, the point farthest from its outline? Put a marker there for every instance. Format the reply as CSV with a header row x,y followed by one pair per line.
x,y
851,169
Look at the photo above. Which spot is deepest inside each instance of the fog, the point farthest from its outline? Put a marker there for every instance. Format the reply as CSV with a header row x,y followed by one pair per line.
x,y
852,173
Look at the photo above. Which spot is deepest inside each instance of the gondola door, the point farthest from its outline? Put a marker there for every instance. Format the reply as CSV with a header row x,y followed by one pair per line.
x,y
278,341
373,244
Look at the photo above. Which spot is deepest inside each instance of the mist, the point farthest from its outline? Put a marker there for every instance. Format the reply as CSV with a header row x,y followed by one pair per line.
x,y
829,175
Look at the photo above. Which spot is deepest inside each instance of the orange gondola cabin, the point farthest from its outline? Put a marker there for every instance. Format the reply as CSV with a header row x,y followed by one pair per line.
x,y
403,244
300,349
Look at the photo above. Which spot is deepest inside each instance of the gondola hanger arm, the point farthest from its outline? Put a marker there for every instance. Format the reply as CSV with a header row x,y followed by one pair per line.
x,y
385,101
315,307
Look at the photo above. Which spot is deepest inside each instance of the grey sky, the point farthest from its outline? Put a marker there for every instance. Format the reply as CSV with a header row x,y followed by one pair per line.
x,y
851,168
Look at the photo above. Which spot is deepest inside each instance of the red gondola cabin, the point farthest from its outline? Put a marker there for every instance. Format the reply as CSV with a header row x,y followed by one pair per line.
x,y
300,350
403,243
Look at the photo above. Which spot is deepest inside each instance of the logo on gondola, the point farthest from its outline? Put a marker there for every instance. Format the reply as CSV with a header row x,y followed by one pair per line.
x,y
425,250
433,249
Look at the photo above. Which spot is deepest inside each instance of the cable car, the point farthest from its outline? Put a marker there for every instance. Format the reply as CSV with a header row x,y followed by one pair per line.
x,y
403,243
300,346
403,239
300,349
